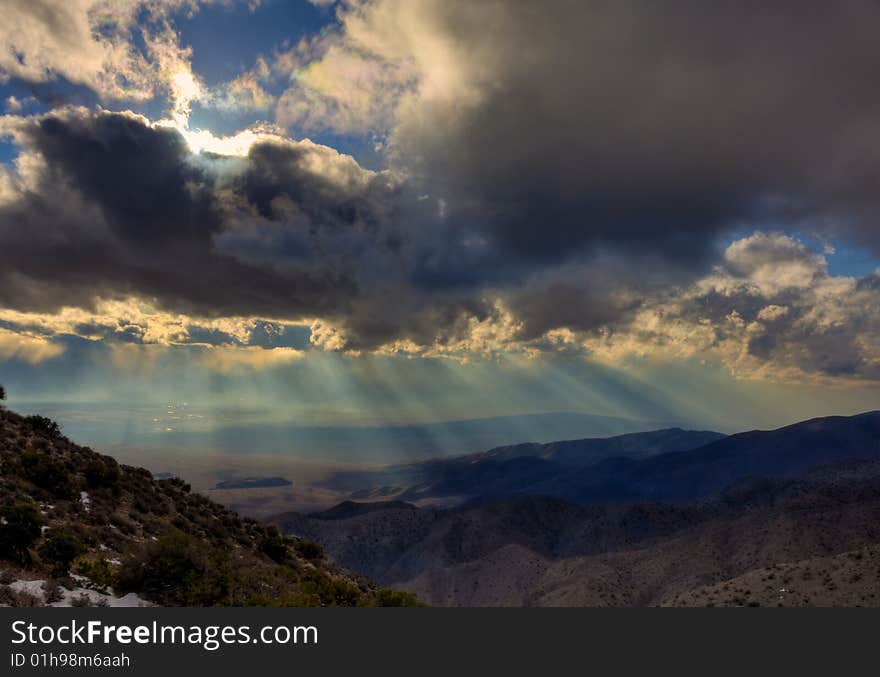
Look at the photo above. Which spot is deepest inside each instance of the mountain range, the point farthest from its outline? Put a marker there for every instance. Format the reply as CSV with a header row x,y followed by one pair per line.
x,y
657,518
510,469
666,465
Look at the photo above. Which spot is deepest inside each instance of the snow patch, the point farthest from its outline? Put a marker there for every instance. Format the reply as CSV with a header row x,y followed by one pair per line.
x,y
35,588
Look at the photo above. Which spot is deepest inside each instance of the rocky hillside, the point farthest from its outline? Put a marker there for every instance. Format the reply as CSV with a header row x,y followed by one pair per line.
x,y
850,579
74,517
546,552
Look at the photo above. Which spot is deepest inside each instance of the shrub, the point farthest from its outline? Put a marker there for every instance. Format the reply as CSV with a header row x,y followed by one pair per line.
x,y
52,592
320,589
19,529
59,550
121,522
100,474
275,548
389,597
98,572
43,425
9,597
47,473
308,549
84,600
172,484
177,570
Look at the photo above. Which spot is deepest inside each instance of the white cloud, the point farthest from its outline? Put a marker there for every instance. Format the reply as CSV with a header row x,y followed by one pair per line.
x,y
770,310
96,43
130,319
390,59
27,348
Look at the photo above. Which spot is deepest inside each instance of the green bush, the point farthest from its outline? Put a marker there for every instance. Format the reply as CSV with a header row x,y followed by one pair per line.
x,y
326,590
177,570
43,425
308,549
101,473
19,529
98,571
315,589
59,550
47,473
389,597
275,547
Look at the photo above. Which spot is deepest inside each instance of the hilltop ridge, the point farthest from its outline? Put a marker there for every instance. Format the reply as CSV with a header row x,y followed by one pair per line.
x,y
78,517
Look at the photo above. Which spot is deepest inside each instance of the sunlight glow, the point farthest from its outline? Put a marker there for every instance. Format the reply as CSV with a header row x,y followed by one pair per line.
x,y
238,145
186,89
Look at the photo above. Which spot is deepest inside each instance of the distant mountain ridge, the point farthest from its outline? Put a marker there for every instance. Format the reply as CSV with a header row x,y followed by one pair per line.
x,y
786,451
663,465
511,468
590,450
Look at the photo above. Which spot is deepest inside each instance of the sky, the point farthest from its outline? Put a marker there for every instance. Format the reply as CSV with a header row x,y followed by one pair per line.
x,y
387,212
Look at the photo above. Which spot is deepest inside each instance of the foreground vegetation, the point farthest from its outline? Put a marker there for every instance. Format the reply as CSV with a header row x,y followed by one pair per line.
x,y
69,512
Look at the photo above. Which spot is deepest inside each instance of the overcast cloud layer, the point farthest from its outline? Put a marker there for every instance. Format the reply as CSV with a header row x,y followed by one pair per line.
x,y
555,176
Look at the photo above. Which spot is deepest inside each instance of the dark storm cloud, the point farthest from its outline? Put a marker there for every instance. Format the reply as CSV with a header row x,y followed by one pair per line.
x,y
292,230
277,171
653,126
577,299
120,207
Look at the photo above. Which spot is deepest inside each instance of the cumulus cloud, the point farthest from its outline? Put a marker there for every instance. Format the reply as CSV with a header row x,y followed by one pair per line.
x,y
106,204
569,125
244,92
770,309
109,206
121,50
135,321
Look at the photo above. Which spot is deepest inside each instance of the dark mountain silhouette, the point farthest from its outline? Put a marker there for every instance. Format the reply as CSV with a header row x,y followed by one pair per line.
x,y
673,477
665,465
510,469
589,451
348,509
